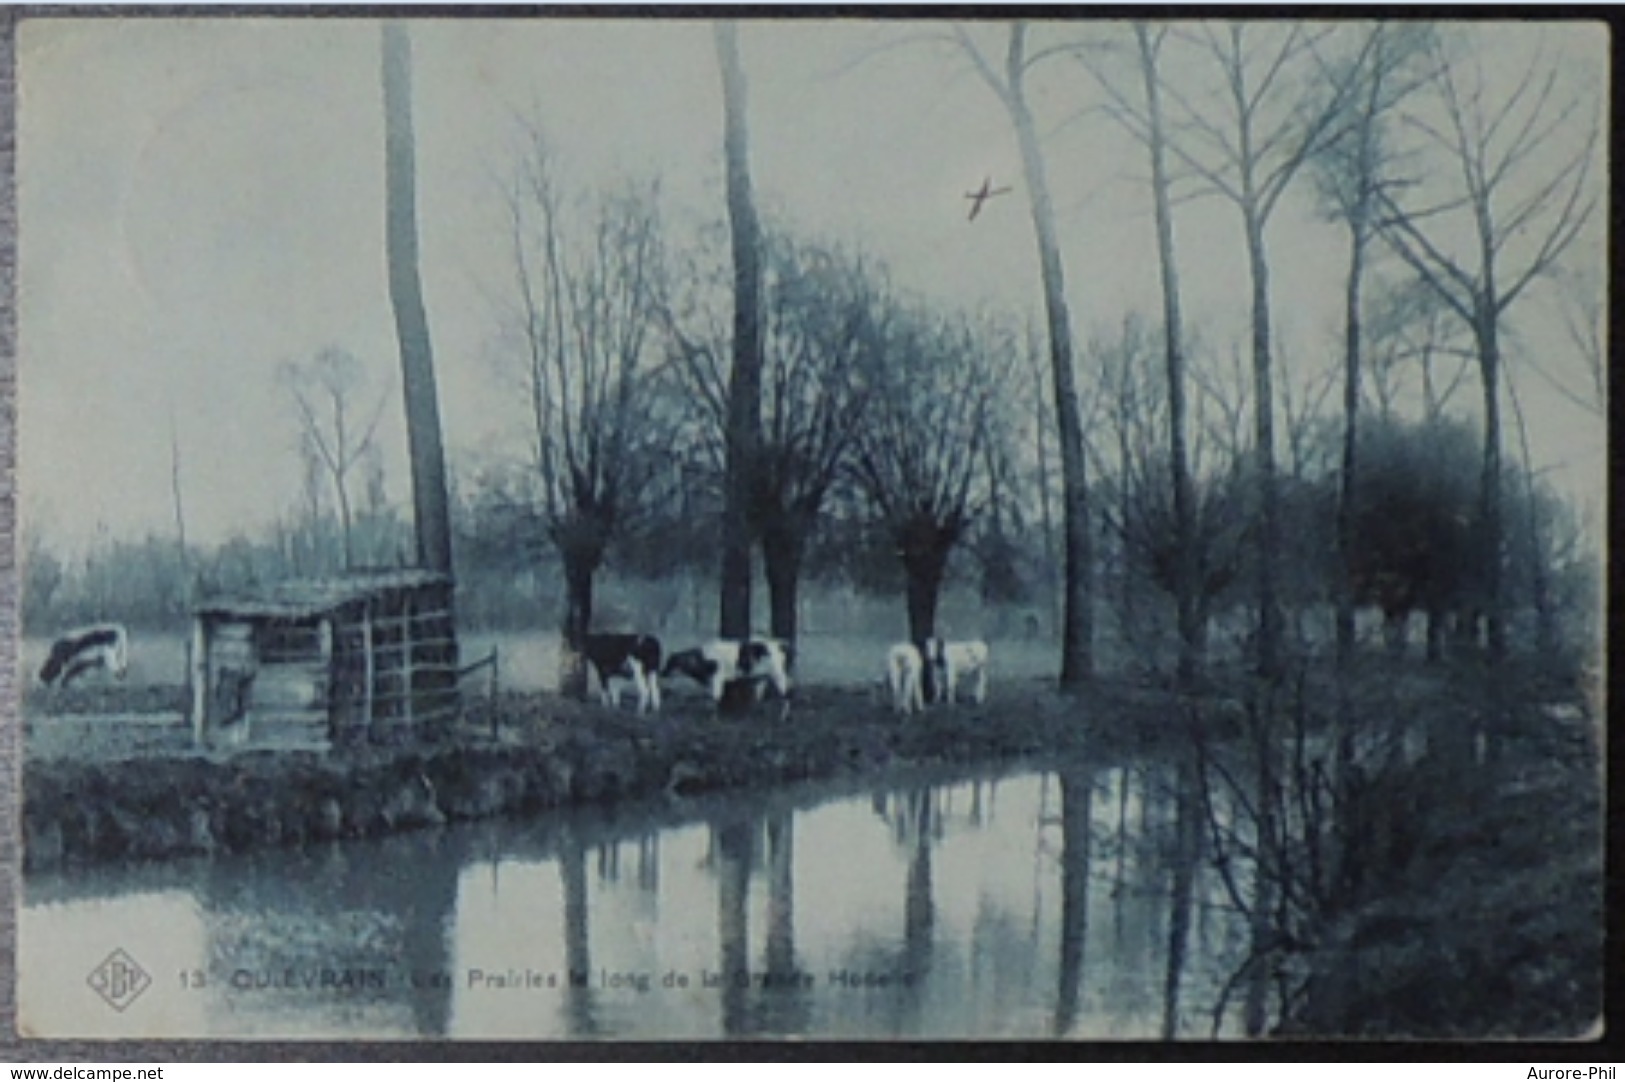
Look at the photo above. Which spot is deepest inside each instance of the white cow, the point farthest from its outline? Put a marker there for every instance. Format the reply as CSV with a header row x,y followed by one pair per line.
x,y
954,661
903,672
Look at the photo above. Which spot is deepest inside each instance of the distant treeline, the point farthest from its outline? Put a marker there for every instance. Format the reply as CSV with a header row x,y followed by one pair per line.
x,y
1415,522
506,581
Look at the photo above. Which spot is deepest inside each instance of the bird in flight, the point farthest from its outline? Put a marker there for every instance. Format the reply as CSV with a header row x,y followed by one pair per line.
x,y
982,195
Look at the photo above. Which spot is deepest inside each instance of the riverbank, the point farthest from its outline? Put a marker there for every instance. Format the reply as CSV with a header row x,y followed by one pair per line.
x,y
1486,919
1483,915
547,752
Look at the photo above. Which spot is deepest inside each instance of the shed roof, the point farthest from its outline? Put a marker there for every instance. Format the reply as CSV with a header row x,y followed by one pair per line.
x,y
303,598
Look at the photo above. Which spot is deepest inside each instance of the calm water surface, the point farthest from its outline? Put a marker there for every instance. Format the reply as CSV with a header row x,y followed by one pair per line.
x,y
1033,904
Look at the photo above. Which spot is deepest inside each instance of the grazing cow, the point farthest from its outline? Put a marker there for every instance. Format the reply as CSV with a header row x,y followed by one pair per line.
x,y
634,658
903,672
946,663
104,646
717,664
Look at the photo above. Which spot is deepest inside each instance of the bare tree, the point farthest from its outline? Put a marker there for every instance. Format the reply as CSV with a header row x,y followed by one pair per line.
x,y
1010,86
335,430
1143,118
919,456
1582,296
1249,141
743,433
1518,197
430,503
1351,173
1408,333
1143,519
175,494
586,309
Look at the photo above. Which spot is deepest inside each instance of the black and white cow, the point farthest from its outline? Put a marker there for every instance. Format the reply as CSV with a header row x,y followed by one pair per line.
x,y
632,658
946,663
760,663
103,646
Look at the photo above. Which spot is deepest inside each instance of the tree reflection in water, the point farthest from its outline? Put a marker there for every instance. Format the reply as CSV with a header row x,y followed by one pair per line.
x,y
731,845
1077,800
934,901
1187,853
578,996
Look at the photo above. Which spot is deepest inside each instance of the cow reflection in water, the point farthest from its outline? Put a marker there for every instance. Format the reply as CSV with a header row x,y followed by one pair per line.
x,y
646,870
917,824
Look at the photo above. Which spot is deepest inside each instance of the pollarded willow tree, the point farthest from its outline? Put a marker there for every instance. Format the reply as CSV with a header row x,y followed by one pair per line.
x,y
1143,516
821,315
920,455
586,309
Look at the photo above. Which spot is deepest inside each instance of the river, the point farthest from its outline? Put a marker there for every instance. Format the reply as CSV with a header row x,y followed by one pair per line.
x,y
1016,903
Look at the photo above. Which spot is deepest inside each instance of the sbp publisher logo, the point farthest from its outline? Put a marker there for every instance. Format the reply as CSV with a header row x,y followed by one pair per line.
x,y
119,980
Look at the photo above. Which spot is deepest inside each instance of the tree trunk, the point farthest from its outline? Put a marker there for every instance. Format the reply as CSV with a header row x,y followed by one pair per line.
x,y
745,378
1540,584
175,493
1396,631
1346,492
430,502
1077,624
925,569
781,561
1349,475
1489,359
1045,515
1186,572
1268,547
580,568
346,526
1129,630
1436,634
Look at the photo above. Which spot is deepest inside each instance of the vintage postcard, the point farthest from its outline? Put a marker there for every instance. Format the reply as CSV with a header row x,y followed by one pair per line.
x,y
810,528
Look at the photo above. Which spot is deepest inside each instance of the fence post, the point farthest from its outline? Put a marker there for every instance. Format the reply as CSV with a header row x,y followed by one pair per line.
x,y
368,674
197,666
495,720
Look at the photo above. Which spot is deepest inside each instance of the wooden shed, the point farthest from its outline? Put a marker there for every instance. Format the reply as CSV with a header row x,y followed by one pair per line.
x,y
368,656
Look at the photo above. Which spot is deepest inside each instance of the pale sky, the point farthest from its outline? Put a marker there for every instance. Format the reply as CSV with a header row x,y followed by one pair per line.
x,y
201,200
